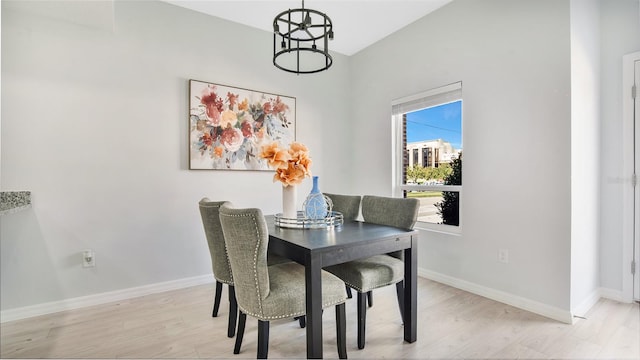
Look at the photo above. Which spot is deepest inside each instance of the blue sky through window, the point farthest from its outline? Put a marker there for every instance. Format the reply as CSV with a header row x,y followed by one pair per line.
x,y
438,122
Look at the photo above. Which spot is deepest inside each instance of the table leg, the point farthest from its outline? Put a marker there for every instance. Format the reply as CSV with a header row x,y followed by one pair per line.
x,y
313,284
411,290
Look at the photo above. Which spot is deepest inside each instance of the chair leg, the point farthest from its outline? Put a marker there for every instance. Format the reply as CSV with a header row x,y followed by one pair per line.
x,y
400,293
233,312
242,320
216,301
341,330
370,297
263,339
362,318
303,320
348,291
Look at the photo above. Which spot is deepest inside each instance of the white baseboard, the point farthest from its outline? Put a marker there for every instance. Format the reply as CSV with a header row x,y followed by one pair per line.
x,y
587,303
119,295
102,298
545,310
611,294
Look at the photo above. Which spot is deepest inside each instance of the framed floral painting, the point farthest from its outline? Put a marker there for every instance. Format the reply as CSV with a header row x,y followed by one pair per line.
x,y
228,126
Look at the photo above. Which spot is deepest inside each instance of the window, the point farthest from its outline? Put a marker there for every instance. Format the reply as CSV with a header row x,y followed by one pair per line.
x,y
426,157
428,154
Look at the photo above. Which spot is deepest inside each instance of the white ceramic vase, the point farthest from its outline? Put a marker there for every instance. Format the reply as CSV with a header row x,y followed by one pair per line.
x,y
289,202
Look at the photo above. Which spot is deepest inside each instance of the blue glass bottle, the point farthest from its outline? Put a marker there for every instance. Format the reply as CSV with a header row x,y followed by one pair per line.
x,y
315,207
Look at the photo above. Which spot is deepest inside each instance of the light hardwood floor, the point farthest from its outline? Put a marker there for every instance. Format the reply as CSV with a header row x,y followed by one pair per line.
x,y
452,324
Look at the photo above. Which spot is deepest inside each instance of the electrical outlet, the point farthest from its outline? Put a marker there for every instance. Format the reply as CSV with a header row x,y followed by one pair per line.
x,y
503,256
88,258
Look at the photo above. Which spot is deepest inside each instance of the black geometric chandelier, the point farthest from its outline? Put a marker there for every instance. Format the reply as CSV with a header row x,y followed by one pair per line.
x,y
301,41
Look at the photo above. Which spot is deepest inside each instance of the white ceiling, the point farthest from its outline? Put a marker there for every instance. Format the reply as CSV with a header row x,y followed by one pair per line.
x,y
356,23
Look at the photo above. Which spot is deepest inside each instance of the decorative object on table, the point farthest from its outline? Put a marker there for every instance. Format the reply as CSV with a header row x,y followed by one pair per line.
x,y
229,125
289,201
332,219
315,206
292,165
302,34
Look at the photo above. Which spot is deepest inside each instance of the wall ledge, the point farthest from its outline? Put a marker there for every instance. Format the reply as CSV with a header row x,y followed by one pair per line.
x,y
14,201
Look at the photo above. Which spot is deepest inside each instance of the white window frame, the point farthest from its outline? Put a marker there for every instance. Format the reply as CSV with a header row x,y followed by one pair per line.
x,y
430,98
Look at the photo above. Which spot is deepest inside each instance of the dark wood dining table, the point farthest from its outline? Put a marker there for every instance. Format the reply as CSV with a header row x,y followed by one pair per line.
x,y
318,248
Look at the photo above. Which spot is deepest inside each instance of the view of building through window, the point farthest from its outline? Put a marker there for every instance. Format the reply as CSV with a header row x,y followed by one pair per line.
x,y
433,159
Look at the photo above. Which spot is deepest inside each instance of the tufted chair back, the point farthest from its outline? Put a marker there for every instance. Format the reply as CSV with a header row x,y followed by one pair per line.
x,y
348,205
209,211
397,212
247,243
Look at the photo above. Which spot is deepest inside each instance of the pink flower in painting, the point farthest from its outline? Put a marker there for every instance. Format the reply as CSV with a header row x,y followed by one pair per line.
x,y
233,99
206,139
267,108
212,103
247,129
214,115
232,139
279,106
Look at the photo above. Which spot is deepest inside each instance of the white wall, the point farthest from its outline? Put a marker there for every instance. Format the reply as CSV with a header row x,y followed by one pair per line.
x,y
585,152
94,123
0,104
620,24
513,58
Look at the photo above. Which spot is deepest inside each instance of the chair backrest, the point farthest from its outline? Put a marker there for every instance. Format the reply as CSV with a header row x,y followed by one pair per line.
x,y
348,205
396,212
209,211
247,238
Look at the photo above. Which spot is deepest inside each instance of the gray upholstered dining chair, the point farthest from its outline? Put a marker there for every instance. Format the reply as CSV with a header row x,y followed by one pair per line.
x,y
348,205
377,271
271,292
209,211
